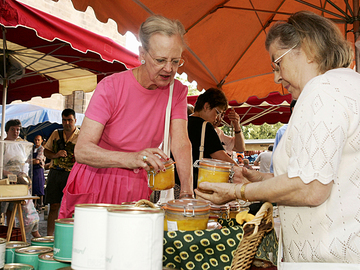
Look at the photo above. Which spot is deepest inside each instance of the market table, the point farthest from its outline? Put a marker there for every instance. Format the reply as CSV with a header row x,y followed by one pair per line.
x,y
17,209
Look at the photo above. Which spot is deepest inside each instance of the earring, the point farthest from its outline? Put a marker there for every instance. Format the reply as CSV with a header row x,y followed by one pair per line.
x,y
142,62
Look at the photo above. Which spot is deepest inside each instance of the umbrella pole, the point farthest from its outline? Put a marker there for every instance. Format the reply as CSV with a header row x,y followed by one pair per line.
x,y
356,34
5,85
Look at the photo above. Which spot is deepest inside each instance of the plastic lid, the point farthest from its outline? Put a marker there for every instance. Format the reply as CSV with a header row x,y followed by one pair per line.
x,y
215,163
182,205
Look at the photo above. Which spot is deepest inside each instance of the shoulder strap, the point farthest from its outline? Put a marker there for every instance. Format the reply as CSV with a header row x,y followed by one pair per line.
x,y
61,134
203,130
166,143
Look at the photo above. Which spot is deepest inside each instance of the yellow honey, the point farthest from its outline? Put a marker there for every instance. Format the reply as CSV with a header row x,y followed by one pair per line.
x,y
212,170
186,215
162,180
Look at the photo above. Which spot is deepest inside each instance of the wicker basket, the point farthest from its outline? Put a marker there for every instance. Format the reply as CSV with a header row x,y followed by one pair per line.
x,y
254,232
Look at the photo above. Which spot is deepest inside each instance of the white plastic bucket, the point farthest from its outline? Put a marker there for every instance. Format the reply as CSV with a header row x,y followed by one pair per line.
x,y
135,238
88,252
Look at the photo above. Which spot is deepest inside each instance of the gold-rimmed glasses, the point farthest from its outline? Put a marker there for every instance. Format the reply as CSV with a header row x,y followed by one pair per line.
x,y
161,62
276,63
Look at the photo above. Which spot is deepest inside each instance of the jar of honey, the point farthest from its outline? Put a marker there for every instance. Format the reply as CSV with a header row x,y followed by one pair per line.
x,y
237,207
162,180
186,215
219,211
213,170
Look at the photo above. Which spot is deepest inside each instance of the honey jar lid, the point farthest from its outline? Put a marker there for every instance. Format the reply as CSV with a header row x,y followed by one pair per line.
x,y
182,205
43,239
17,244
210,162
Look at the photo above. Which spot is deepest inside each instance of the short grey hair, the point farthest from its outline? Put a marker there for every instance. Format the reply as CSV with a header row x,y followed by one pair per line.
x,y
158,24
318,36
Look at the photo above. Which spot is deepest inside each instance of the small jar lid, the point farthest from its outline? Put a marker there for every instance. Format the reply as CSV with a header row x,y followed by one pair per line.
x,y
44,239
17,244
34,250
49,256
65,221
184,205
223,207
210,162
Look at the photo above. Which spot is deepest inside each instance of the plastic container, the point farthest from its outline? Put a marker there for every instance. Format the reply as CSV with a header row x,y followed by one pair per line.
x,y
186,215
47,262
219,211
162,180
18,266
47,241
64,229
134,238
29,255
213,170
10,250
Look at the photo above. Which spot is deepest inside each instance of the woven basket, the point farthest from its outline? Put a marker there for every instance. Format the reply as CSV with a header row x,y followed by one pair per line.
x,y
254,232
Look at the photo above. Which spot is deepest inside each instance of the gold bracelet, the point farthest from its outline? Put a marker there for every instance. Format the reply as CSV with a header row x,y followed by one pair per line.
x,y
235,192
242,192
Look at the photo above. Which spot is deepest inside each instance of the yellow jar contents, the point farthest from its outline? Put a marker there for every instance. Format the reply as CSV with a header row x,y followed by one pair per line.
x,y
213,170
198,222
162,180
208,174
186,215
219,211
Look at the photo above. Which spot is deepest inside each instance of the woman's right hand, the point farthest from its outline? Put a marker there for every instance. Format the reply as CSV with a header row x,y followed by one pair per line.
x,y
243,175
146,158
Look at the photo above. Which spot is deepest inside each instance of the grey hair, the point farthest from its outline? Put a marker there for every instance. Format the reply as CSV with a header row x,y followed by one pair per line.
x,y
319,37
159,24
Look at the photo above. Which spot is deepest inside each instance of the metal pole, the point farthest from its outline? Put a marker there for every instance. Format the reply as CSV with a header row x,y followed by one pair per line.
x,y
5,85
356,33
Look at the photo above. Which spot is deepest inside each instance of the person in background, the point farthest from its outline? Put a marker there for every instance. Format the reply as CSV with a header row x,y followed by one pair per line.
x,y
239,159
231,143
247,164
190,109
264,160
38,171
209,106
316,163
124,125
60,149
279,135
14,159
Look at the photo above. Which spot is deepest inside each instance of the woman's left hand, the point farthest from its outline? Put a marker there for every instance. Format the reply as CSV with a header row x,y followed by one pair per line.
x,y
149,157
218,193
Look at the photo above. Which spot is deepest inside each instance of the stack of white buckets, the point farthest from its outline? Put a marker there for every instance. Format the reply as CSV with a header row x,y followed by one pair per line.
x,y
117,237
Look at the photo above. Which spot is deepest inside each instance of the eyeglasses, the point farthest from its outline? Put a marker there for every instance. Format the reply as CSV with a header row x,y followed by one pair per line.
x,y
276,64
219,114
161,62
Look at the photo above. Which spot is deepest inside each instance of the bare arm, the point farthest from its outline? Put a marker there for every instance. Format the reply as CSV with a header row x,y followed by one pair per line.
x,y
86,149
239,138
280,189
51,155
221,155
181,150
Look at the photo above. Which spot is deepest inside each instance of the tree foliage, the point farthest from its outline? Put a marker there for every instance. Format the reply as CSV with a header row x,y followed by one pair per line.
x,y
253,132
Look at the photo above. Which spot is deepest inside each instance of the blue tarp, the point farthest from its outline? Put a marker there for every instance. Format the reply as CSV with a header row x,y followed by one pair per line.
x,y
36,119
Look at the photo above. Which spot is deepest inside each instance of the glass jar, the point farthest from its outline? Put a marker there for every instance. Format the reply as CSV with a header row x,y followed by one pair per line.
x,y
186,215
162,180
237,207
213,170
219,211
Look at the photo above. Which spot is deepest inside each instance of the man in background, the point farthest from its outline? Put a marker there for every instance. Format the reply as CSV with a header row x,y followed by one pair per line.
x,y
60,149
264,160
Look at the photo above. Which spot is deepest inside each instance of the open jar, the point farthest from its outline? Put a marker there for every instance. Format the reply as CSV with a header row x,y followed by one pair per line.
x,y
214,170
186,215
162,180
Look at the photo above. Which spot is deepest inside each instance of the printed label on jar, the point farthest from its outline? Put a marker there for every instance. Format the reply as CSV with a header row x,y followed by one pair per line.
x,y
172,226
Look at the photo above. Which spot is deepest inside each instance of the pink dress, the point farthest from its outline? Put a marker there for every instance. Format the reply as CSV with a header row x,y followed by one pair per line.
x,y
133,119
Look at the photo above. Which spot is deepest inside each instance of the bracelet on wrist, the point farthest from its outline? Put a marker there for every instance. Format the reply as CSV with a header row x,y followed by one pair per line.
x,y
237,132
235,191
242,192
